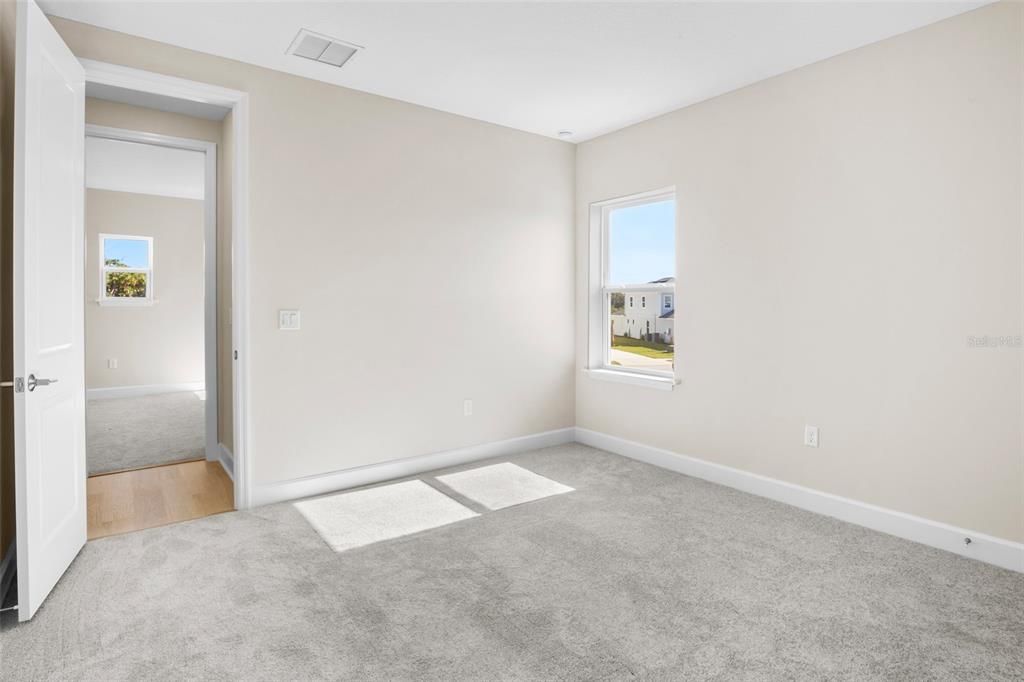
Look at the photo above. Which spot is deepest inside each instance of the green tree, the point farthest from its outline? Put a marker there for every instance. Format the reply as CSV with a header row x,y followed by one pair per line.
x,y
618,303
124,284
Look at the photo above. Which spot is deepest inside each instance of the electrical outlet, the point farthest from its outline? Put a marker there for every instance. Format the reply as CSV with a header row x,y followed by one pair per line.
x,y
288,319
111,363
467,408
811,436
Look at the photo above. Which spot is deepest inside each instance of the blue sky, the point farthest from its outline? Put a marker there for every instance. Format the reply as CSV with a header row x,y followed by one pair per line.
x,y
134,253
642,243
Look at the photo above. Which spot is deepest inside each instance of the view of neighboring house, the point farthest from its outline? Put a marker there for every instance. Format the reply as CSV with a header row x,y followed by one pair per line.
x,y
646,313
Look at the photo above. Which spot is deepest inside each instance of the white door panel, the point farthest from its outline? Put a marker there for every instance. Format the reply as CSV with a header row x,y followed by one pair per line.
x,y
48,307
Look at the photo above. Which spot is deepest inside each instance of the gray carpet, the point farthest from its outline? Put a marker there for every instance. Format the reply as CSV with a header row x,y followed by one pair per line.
x,y
128,433
638,573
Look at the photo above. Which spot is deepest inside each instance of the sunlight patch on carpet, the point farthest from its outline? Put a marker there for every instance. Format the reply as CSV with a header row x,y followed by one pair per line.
x,y
363,517
502,485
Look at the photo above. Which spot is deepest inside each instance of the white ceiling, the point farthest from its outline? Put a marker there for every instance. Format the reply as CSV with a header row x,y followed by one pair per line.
x,y
143,168
538,66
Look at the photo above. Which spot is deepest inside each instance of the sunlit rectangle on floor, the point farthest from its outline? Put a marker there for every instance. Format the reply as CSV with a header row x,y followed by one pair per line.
x,y
362,517
502,485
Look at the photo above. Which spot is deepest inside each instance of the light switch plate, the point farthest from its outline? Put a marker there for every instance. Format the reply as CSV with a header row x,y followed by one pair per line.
x,y
288,319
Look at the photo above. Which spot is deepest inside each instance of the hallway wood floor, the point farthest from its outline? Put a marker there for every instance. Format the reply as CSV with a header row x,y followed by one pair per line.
x,y
144,498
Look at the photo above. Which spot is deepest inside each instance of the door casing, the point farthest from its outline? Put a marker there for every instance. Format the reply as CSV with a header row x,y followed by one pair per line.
x,y
237,462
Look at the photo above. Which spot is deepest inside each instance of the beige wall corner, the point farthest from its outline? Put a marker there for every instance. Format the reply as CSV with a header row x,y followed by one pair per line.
x,y
845,230
225,359
430,254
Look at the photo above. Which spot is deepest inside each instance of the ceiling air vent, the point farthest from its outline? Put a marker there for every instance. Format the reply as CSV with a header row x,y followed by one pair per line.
x,y
321,48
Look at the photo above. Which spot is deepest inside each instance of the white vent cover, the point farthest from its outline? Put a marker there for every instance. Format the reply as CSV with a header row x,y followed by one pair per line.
x,y
321,48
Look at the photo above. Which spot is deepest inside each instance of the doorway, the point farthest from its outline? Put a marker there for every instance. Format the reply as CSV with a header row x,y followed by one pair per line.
x,y
151,315
47,257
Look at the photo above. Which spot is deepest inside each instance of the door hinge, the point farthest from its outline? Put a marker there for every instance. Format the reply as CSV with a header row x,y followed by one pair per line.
x,y
18,384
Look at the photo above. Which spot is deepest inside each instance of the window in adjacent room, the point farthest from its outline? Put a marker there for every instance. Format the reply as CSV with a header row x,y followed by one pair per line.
x,y
126,269
636,241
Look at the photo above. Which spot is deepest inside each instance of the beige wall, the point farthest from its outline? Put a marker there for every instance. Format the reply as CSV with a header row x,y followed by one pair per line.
x,y
7,31
155,344
465,227
225,362
117,115
844,228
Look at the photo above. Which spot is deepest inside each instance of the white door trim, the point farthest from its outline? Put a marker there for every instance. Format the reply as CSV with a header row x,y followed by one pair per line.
x,y
238,102
209,149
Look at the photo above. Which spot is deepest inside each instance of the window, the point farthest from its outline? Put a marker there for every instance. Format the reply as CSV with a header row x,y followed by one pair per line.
x,y
633,254
126,269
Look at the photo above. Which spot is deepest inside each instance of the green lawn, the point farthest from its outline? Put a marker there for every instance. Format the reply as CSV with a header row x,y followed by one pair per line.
x,y
648,349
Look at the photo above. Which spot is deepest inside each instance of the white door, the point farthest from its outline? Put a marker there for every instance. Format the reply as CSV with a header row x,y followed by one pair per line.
x,y
49,416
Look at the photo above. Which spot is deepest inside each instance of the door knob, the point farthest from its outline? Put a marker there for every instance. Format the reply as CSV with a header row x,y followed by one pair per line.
x,y
33,382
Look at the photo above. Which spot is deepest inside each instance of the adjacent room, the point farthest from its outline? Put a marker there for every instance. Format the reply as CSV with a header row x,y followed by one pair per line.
x,y
511,340
144,373
151,307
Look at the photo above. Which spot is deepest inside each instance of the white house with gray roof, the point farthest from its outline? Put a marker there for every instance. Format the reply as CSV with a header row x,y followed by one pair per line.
x,y
648,312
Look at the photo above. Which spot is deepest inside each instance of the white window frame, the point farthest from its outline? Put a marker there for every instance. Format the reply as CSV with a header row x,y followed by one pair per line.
x,y
600,289
105,269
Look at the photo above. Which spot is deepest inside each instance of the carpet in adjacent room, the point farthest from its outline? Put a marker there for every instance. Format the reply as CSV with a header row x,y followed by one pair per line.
x,y
142,431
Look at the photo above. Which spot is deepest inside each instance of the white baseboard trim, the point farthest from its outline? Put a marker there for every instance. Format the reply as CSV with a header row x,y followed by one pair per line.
x,y
226,459
983,547
144,389
375,473
6,570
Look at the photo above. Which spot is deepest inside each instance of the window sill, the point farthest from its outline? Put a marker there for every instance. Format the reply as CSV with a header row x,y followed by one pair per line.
x,y
126,302
622,377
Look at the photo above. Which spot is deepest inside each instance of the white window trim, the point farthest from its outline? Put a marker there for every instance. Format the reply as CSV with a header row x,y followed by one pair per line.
x,y
599,321
620,376
104,269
